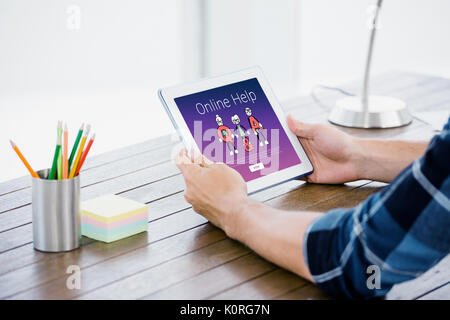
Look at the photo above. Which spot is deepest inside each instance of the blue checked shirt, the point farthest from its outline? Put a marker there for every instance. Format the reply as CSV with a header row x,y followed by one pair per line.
x,y
402,231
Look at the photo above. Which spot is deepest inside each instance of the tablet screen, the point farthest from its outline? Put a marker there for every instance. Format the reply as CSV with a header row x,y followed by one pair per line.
x,y
235,124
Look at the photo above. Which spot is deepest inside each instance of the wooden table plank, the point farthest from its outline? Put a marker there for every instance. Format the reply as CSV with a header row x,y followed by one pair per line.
x,y
245,290
98,160
146,256
35,279
142,283
102,173
226,279
426,283
206,284
305,292
164,207
22,215
146,277
441,293
147,193
53,266
266,286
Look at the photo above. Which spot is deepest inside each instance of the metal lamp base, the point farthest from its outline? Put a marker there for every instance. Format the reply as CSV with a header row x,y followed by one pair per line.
x,y
384,112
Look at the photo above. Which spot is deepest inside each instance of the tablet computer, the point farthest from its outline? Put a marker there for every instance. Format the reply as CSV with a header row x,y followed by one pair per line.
x,y
236,119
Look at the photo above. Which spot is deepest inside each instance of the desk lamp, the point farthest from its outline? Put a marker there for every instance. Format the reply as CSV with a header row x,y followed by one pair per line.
x,y
370,111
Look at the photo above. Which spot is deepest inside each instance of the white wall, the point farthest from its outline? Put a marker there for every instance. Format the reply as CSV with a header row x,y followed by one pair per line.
x,y
106,73
242,33
300,43
414,36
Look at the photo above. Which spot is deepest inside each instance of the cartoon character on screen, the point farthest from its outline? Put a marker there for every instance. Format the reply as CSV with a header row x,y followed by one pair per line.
x,y
242,132
256,127
225,135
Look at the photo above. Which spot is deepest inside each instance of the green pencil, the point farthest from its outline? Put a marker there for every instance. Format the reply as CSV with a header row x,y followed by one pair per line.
x,y
52,173
75,145
59,164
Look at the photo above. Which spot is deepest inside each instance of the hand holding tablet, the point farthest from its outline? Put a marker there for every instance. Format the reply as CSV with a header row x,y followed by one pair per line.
x,y
235,119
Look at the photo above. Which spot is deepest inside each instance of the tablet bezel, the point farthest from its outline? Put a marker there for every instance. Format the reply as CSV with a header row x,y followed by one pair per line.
x,y
168,95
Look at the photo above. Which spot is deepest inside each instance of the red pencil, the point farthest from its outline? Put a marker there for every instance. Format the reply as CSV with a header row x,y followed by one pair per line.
x,y
84,154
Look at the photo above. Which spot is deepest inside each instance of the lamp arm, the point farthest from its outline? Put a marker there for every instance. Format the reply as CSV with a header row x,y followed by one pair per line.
x,y
365,91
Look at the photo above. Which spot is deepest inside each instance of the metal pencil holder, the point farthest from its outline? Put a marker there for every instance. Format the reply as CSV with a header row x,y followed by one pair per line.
x,y
56,213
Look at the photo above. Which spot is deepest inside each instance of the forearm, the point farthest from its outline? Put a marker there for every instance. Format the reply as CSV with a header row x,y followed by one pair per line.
x,y
384,160
274,234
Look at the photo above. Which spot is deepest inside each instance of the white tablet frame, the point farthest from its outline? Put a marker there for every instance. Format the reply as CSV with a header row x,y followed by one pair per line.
x,y
167,96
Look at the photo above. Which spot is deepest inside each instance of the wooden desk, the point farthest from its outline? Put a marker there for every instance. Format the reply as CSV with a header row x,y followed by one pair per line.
x,y
182,255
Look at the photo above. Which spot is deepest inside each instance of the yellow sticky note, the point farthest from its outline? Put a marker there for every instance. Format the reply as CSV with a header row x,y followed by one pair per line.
x,y
111,208
110,218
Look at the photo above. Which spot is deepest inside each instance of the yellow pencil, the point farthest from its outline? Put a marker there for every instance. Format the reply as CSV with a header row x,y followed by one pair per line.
x,y
80,151
25,162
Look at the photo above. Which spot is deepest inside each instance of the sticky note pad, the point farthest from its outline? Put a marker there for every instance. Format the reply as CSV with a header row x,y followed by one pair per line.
x,y
110,218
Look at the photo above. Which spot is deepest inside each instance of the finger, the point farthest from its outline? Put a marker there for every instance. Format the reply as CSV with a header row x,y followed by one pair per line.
x,y
179,159
300,129
187,197
209,162
197,157
184,163
193,154
200,159
206,162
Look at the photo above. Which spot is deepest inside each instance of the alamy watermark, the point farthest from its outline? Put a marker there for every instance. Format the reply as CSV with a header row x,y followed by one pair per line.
x,y
73,18
374,280
238,145
74,280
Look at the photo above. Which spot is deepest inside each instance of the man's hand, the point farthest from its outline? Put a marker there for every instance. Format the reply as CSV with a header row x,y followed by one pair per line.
x,y
219,193
215,190
333,153
338,157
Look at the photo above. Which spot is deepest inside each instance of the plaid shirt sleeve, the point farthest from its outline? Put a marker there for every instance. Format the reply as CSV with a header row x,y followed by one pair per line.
x,y
400,232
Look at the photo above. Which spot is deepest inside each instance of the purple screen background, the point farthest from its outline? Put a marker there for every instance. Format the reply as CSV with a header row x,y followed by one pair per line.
x,y
261,109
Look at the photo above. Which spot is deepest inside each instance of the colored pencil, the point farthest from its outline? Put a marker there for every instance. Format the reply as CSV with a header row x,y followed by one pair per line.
x,y
25,162
59,165
75,145
85,152
80,151
65,159
52,173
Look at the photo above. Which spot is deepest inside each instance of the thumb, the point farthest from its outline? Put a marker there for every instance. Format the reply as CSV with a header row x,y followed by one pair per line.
x,y
300,129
